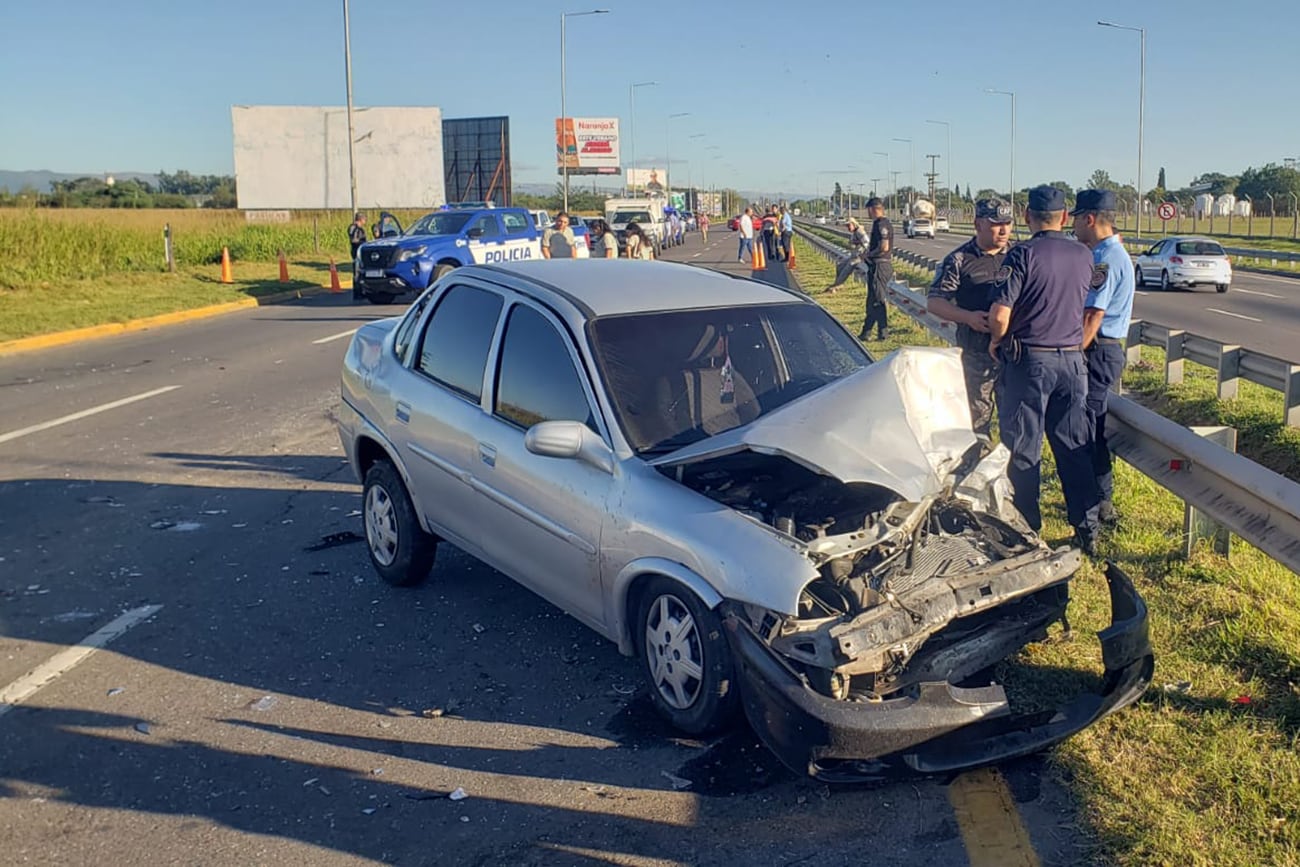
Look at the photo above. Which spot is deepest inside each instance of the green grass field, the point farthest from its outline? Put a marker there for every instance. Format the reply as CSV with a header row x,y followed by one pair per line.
x,y
1205,768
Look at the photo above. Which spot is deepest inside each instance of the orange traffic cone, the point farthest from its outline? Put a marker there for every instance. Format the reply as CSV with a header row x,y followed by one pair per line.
x,y
757,259
790,262
225,266
334,277
284,269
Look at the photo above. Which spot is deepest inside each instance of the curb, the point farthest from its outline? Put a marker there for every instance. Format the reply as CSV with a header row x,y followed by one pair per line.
x,y
108,329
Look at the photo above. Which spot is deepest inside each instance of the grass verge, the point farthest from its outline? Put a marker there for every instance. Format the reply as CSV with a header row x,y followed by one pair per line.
x,y
1205,768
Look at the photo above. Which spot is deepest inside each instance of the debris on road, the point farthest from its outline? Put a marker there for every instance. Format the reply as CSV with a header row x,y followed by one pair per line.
x,y
117,690
266,702
432,712
77,614
369,811
458,794
676,782
334,540
309,782
143,728
478,627
1182,687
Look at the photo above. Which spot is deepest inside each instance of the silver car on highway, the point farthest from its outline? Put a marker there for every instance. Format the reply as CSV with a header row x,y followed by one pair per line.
x,y
1187,262
713,474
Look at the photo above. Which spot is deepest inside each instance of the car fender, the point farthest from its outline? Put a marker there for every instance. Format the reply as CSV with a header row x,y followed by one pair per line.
x,y
364,429
620,623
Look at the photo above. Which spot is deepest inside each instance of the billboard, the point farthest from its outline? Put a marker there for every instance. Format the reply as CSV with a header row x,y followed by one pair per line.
x,y
295,156
588,145
476,159
650,180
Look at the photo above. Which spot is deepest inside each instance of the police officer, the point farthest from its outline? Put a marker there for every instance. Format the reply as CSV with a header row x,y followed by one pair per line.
x,y
858,242
357,233
1036,329
960,293
1107,311
880,269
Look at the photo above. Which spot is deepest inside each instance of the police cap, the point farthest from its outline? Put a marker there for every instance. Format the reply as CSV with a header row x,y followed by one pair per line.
x,y
993,210
1094,200
874,202
1046,198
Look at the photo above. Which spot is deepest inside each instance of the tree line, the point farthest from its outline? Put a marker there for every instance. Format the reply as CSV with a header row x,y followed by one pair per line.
x,y
178,190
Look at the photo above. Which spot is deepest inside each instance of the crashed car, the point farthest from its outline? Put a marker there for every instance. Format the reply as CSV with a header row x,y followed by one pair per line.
x,y
714,474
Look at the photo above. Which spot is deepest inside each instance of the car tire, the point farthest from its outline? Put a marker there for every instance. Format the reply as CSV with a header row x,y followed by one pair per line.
x,y
381,297
441,270
400,550
673,626
1165,285
1220,288
1138,278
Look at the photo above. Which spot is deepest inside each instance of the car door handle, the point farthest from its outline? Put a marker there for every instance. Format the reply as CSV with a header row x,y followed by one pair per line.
x,y
403,412
488,454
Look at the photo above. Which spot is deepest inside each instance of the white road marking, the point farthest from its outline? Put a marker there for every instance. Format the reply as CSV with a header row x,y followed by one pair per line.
x,y
336,336
1253,292
1236,315
60,663
37,428
1274,277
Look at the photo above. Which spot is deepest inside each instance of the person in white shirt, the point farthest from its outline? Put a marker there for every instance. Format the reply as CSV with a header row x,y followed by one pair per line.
x,y
746,236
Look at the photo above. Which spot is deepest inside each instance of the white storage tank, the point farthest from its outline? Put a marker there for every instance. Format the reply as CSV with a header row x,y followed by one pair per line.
x,y
1242,208
1224,204
1204,204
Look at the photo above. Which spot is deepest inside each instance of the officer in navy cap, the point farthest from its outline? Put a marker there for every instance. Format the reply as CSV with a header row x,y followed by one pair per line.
x,y
960,293
1107,311
1036,329
880,269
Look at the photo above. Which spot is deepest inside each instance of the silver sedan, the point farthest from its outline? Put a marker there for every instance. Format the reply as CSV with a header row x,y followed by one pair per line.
x,y
712,473
1187,262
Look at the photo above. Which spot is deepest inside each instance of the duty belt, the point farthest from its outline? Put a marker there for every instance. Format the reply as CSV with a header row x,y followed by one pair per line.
x,y
1032,348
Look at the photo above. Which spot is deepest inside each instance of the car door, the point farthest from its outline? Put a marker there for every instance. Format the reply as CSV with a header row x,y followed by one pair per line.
x,y
437,409
547,514
1145,260
485,238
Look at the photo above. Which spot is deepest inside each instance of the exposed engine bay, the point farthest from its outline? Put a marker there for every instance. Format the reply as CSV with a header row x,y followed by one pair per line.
x,y
894,576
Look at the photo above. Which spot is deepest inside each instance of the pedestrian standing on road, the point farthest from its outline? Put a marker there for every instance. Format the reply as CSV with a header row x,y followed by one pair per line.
x,y
1106,314
638,245
603,243
702,220
1036,330
960,294
880,269
357,233
858,242
787,232
769,233
746,235
558,241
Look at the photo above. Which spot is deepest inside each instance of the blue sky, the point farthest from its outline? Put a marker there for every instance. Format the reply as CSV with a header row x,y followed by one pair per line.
x,y
784,90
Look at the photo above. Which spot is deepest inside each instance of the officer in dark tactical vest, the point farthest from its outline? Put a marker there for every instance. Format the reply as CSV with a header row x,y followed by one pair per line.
x,y
960,294
1036,330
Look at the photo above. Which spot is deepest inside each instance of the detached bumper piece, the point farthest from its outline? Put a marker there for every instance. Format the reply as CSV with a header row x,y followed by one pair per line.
x,y
936,727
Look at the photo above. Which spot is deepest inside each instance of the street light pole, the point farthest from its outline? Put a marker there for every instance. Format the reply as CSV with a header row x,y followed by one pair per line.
x,y
948,159
564,110
631,112
875,181
889,170
347,63
1013,141
668,155
1142,102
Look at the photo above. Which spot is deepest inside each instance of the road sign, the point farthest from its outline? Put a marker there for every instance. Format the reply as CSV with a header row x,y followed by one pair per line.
x,y
1167,211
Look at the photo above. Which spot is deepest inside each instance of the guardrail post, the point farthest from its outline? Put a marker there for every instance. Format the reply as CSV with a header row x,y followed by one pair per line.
x,y
1174,357
1229,371
1291,397
1197,526
1133,345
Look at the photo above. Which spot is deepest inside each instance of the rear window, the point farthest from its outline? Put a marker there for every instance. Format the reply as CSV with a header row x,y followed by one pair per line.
x,y
1200,248
631,217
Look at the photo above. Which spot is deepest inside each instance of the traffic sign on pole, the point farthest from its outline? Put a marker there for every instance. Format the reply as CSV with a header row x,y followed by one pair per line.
x,y
1167,211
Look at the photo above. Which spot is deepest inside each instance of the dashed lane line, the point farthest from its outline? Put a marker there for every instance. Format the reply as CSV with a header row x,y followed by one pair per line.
x,y
1256,292
990,825
336,336
1234,315
60,663
85,413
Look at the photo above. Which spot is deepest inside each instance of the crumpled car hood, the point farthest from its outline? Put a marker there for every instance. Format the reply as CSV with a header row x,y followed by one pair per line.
x,y
902,423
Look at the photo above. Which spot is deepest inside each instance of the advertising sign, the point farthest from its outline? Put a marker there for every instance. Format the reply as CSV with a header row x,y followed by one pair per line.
x,y
649,180
588,145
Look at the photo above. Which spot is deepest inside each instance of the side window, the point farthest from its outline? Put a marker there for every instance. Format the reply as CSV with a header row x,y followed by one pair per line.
x,y
406,328
516,224
487,223
455,346
536,379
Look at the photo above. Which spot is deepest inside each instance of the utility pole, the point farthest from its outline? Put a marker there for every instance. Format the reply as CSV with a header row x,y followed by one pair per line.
x,y
932,174
895,173
352,136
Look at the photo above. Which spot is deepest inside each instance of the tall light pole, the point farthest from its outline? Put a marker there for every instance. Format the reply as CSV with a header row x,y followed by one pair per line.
x,y
889,170
1142,102
564,109
911,175
875,181
631,114
668,152
690,162
347,63
947,158
1013,140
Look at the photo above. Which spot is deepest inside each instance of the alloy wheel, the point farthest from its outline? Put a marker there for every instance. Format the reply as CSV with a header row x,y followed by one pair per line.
x,y
674,652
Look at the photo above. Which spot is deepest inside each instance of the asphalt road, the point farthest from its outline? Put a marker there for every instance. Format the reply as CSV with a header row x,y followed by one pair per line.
x,y
284,706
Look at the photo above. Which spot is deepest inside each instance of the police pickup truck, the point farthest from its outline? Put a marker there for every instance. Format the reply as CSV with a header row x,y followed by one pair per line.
x,y
408,261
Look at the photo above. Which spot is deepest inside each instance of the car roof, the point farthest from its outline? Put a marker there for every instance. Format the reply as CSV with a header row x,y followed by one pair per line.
x,y
611,287
1194,238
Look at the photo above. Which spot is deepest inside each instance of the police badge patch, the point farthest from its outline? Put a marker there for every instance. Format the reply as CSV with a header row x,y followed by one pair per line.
x,y
1003,275
1099,272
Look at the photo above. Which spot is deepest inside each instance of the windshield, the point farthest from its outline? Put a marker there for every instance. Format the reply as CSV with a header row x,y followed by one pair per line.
x,y
440,224
678,376
1200,248
631,217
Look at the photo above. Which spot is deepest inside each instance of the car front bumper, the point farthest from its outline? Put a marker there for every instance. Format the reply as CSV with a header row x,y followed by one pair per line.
x,y
936,727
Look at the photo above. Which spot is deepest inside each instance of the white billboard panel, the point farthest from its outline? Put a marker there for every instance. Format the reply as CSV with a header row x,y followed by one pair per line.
x,y
290,156
588,144
650,180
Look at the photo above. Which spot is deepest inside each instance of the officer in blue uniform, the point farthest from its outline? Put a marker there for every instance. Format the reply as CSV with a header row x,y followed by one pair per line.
x,y
1107,311
1036,330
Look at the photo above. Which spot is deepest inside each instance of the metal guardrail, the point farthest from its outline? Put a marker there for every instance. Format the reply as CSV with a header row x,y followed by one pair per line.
x,y
1257,504
1231,362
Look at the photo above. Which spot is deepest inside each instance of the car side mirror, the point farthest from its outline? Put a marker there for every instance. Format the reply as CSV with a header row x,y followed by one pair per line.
x,y
476,232
569,439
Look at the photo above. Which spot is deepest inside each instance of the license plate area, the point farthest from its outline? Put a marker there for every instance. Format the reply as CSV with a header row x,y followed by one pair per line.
x,y
374,275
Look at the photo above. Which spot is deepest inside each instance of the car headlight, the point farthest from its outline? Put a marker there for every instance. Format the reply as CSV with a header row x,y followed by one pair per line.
x,y
412,253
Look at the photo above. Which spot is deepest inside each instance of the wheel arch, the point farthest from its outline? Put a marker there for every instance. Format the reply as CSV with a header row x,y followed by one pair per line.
x,y
370,450
634,576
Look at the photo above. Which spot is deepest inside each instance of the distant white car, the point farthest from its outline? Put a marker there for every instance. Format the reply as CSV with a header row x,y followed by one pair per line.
x,y
821,221
941,224
920,226
1185,261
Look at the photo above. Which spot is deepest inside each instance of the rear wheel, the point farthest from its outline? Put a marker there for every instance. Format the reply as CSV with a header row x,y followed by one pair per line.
x,y
400,550
381,297
685,658
1221,287
1140,279
441,270
1165,285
